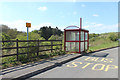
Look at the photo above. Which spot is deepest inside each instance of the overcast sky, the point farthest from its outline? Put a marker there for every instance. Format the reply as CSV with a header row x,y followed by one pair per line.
x,y
97,17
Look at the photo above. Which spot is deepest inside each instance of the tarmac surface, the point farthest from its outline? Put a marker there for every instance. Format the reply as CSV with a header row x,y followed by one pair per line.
x,y
102,64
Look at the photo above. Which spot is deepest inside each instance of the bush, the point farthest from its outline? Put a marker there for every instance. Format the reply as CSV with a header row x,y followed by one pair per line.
x,y
31,50
113,37
55,37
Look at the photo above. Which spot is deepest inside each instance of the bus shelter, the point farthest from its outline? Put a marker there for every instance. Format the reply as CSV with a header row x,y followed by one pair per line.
x,y
76,39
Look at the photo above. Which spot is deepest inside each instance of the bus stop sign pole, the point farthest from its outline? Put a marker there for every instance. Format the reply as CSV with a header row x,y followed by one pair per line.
x,y
28,25
27,33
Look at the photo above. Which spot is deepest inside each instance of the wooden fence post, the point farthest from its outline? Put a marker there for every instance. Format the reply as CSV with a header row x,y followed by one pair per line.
x,y
17,49
38,48
51,46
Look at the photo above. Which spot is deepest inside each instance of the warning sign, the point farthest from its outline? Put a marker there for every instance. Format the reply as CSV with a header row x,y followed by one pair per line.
x,y
28,25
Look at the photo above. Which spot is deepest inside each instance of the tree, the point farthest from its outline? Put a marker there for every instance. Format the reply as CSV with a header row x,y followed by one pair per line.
x,y
12,33
47,32
5,37
4,28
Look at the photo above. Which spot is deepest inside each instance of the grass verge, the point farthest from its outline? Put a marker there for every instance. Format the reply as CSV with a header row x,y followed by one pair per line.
x,y
9,61
103,46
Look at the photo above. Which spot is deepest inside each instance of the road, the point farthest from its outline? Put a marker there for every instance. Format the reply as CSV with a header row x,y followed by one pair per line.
x,y
102,64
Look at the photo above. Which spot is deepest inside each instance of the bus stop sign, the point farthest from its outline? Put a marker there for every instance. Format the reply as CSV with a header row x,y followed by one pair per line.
x,y
28,25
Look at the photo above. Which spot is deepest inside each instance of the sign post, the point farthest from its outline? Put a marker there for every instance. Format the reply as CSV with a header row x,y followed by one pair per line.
x,y
27,33
28,25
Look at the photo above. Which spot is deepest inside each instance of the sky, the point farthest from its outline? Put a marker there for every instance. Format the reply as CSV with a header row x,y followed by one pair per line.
x,y
97,17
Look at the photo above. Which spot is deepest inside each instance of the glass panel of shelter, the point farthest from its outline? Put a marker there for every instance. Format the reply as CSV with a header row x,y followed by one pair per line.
x,y
81,42
72,36
72,46
86,44
82,36
86,40
86,36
